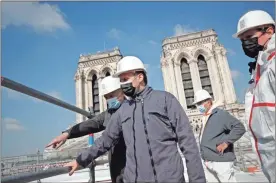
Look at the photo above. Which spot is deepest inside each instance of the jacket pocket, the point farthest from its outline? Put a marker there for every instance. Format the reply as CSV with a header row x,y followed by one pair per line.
x,y
127,129
160,127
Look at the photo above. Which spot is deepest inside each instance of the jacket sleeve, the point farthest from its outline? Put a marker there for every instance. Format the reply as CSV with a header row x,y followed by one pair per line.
x,y
109,138
234,126
93,125
186,140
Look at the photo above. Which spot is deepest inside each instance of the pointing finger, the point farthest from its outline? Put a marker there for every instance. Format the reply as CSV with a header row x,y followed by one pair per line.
x,y
73,170
50,144
60,144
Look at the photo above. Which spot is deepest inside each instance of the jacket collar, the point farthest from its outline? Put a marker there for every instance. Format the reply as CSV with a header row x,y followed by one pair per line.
x,y
143,94
215,110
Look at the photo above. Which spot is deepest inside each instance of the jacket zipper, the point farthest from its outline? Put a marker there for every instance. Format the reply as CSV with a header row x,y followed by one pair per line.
x,y
134,146
148,142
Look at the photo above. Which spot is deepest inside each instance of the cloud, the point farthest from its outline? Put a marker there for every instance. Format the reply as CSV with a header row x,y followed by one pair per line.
x,y
231,52
55,94
42,17
152,67
152,42
235,74
147,66
183,29
115,33
52,93
12,124
11,94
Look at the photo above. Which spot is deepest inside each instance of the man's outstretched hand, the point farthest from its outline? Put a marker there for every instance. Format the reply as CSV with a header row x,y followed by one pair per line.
x,y
73,166
58,141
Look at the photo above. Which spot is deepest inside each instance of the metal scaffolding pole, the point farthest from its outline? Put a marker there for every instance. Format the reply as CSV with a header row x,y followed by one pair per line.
x,y
42,96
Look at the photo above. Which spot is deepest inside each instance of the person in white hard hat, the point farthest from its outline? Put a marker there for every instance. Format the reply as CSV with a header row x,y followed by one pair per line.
x,y
110,88
218,133
153,124
256,30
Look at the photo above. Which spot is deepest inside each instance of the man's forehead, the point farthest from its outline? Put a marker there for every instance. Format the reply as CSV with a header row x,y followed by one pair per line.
x,y
127,74
250,32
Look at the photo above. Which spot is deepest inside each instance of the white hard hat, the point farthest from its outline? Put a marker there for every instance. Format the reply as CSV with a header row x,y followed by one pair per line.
x,y
129,63
253,19
201,95
109,84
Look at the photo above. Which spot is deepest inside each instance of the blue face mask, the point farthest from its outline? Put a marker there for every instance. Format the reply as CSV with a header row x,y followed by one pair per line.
x,y
201,109
113,103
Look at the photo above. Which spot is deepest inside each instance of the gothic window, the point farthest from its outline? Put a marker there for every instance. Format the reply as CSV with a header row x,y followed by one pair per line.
x,y
204,75
95,94
197,128
107,74
187,83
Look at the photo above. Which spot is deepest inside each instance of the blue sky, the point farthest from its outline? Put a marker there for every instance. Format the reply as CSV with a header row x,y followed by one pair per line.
x,y
41,44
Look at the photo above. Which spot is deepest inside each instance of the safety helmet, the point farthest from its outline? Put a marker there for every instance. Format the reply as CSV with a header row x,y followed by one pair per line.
x,y
129,63
109,84
201,95
253,19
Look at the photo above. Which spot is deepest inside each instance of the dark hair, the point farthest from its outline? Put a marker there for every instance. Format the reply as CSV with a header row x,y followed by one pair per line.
x,y
263,29
144,74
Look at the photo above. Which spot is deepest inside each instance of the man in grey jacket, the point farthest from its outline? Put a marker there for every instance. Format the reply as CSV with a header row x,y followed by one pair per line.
x,y
110,88
153,124
218,133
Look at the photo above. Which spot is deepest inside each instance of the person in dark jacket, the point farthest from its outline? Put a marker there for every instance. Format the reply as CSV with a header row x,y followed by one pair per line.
x,y
218,133
110,89
153,124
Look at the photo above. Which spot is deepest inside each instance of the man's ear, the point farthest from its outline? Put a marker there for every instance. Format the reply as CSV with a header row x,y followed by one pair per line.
x,y
270,30
141,77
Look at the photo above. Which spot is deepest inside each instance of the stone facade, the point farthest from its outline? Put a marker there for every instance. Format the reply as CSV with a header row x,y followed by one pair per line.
x,y
191,47
93,66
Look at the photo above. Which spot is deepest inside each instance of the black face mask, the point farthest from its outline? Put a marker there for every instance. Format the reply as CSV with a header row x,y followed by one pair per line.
x,y
251,47
129,90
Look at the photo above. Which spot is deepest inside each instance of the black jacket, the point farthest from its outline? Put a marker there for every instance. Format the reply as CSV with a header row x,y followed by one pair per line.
x,y
117,155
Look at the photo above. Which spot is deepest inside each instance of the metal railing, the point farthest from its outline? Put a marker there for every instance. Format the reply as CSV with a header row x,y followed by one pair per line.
x,y
29,177
39,173
42,96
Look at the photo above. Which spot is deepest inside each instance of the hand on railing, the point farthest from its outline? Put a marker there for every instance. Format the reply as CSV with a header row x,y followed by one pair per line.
x,y
73,166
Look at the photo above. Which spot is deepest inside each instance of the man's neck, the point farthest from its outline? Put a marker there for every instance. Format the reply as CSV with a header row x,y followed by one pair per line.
x,y
141,88
266,44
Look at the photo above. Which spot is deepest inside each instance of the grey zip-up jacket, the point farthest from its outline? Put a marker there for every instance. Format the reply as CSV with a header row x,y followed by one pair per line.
x,y
221,127
117,154
152,124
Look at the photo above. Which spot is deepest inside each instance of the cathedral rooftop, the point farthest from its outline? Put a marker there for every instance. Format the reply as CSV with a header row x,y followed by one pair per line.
x,y
100,55
189,36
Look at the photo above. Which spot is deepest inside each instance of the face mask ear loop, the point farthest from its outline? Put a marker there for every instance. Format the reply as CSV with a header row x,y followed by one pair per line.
x,y
264,29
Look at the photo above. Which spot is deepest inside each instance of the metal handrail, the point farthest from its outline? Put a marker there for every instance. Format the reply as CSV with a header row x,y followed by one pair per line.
x,y
42,96
29,177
